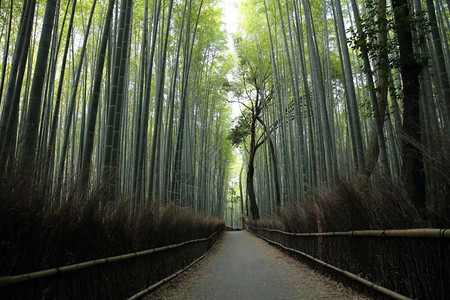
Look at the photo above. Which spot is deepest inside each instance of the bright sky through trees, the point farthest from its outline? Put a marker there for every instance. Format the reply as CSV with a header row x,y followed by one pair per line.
x,y
230,17
230,21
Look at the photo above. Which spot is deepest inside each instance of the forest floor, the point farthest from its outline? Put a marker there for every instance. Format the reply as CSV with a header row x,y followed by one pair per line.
x,y
244,267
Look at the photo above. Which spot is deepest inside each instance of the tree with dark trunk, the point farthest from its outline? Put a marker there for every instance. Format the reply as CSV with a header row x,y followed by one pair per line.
x,y
413,174
257,98
247,126
251,172
241,195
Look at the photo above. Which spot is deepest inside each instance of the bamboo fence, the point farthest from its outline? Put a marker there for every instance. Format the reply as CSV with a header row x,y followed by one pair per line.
x,y
10,280
368,283
406,233
167,279
425,233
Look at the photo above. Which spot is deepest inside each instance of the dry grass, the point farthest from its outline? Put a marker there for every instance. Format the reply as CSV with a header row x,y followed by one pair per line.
x,y
414,267
33,237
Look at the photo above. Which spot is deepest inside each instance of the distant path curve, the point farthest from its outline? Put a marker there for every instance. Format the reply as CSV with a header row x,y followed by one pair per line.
x,y
245,267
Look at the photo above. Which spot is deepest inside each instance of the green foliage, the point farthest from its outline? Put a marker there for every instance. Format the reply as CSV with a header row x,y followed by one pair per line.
x,y
335,63
369,38
240,131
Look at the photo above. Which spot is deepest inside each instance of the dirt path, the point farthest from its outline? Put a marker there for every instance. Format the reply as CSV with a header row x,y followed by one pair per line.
x,y
245,267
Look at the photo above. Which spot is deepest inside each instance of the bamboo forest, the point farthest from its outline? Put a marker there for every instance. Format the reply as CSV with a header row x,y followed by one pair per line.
x,y
135,135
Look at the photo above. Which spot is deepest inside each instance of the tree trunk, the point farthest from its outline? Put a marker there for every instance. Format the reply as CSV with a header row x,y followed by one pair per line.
x,y
137,188
189,45
251,190
274,164
275,174
111,156
5,54
241,196
440,66
34,105
251,172
11,103
352,104
376,145
141,150
319,91
413,170
95,97
159,100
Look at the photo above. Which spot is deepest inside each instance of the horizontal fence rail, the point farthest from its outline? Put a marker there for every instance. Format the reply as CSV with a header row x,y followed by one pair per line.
x,y
167,279
407,233
421,233
10,280
368,283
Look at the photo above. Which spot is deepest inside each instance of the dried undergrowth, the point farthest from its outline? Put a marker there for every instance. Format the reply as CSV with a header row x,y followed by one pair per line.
x,y
37,234
414,267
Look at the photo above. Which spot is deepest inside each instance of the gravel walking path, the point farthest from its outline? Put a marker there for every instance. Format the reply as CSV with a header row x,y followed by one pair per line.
x,y
245,267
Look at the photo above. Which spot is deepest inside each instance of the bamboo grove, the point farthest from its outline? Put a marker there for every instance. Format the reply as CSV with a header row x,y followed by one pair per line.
x,y
125,93
347,90
136,95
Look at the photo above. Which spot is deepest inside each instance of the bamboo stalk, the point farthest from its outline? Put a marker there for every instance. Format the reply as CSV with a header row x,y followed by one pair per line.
x,y
407,233
9,280
368,283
